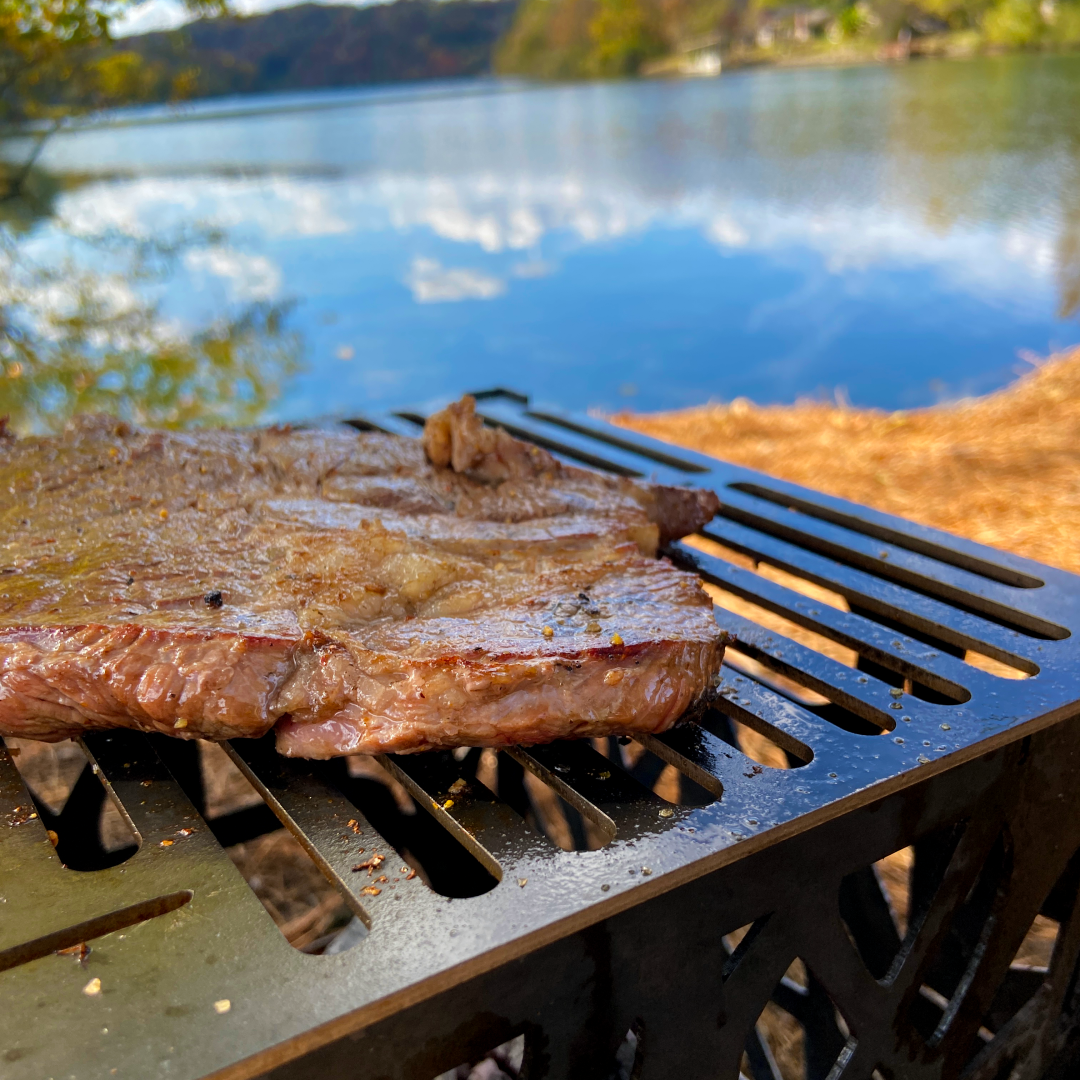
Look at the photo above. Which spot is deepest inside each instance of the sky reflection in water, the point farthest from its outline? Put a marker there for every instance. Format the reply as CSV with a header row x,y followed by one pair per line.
x,y
901,233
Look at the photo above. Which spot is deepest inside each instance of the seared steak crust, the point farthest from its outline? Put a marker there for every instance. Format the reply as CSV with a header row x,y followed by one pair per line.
x,y
341,585
61,681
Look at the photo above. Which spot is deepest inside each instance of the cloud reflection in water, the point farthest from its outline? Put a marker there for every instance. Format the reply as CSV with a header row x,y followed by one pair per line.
x,y
772,234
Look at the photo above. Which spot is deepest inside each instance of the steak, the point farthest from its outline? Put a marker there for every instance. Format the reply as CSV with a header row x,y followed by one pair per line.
x,y
359,593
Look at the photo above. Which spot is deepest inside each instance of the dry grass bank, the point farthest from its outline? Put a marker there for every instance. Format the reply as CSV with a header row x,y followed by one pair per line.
x,y
1003,469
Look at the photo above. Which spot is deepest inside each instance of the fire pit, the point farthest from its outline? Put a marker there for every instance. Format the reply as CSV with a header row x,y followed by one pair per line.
x,y
924,699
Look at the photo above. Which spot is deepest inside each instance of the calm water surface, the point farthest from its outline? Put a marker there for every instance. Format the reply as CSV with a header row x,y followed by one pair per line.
x,y
900,235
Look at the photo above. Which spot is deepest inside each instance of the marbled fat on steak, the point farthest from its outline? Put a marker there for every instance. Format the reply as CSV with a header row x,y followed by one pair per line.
x,y
359,593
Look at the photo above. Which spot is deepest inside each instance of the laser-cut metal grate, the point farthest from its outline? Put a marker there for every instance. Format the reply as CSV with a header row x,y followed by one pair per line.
x,y
913,747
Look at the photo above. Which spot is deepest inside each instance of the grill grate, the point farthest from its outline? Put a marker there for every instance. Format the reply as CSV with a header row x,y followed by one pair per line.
x,y
174,929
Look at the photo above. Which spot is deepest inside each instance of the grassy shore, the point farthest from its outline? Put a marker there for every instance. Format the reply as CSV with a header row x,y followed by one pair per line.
x,y
1002,469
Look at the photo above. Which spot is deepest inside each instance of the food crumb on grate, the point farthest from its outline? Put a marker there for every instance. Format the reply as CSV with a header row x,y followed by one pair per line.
x,y
371,864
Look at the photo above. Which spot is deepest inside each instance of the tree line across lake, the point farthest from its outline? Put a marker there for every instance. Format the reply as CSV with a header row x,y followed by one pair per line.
x,y
60,56
314,45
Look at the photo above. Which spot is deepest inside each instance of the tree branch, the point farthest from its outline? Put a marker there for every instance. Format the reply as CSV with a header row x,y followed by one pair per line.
x,y
15,186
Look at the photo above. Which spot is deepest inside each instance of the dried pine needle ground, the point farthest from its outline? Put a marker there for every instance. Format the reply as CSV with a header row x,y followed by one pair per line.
x,y
1003,469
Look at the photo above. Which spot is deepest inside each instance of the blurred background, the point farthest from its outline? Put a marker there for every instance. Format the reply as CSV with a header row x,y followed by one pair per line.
x,y
217,214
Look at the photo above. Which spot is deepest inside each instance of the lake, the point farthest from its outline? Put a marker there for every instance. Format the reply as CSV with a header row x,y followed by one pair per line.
x,y
889,235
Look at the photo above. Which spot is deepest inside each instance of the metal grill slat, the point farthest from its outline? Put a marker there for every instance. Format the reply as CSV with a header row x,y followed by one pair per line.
x,y
697,753
907,567
863,694
956,551
595,785
388,423
33,871
923,613
679,461
746,700
569,443
487,827
329,827
906,655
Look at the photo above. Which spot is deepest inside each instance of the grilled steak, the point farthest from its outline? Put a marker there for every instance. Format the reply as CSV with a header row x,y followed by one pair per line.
x,y
343,586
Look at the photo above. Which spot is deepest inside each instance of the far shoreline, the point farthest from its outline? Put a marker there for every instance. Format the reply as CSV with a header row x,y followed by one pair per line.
x,y
949,46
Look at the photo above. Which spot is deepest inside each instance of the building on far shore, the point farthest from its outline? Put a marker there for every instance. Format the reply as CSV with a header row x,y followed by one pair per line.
x,y
695,58
701,57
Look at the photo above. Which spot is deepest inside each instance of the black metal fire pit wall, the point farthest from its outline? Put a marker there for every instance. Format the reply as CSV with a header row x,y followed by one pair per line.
x,y
924,698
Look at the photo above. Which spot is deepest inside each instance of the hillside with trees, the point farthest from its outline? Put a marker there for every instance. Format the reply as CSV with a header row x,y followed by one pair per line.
x,y
315,45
